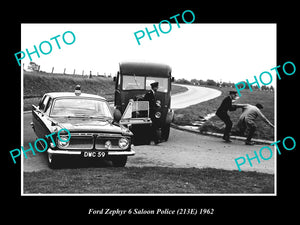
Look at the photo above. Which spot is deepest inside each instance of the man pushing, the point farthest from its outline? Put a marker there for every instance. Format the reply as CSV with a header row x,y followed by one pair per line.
x,y
246,120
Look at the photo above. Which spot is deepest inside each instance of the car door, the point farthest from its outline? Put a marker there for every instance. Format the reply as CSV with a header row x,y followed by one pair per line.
x,y
39,117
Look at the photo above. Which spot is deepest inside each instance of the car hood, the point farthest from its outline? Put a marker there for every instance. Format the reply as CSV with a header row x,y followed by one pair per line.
x,y
88,125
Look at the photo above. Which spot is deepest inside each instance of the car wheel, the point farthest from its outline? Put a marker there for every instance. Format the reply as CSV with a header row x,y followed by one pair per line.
x,y
52,160
119,161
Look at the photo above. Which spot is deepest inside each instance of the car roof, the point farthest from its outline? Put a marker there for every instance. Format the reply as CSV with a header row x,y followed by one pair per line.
x,y
72,94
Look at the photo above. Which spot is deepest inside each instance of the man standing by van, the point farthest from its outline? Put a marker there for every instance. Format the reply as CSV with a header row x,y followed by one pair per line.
x,y
153,105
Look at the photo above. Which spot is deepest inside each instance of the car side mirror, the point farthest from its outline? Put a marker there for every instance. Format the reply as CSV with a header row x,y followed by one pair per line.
x,y
172,79
117,115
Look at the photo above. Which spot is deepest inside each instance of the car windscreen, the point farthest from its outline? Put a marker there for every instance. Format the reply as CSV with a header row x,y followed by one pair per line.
x,y
80,107
131,82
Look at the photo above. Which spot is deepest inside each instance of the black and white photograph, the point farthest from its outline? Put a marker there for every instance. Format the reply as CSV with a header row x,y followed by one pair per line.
x,y
168,107
164,115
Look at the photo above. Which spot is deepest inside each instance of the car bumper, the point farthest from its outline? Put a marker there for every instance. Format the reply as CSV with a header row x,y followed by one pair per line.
x,y
79,152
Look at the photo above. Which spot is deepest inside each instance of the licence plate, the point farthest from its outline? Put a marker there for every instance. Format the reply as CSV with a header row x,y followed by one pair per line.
x,y
94,154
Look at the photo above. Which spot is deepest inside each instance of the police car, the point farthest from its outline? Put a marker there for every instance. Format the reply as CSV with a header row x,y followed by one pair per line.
x,y
94,128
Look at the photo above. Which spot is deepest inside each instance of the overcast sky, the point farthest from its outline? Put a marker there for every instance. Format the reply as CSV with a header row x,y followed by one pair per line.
x,y
227,52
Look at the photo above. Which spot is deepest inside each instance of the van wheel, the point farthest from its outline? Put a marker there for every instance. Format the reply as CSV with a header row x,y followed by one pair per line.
x,y
165,132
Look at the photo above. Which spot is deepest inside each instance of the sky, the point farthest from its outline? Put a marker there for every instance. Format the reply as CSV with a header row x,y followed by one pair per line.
x,y
222,52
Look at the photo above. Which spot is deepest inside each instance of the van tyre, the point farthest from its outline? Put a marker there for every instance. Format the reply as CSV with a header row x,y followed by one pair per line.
x,y
165,132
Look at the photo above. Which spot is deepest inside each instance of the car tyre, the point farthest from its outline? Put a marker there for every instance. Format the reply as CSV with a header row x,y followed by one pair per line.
x,y
53,161
119,161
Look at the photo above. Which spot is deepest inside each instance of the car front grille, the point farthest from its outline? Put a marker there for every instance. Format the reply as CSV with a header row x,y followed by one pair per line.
x,y
91,141
80,141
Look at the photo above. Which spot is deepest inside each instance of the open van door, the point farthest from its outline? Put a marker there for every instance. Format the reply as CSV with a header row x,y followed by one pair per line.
x,y
136,112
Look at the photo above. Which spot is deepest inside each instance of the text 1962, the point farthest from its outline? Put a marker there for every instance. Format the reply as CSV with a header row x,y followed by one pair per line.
x,y
193,211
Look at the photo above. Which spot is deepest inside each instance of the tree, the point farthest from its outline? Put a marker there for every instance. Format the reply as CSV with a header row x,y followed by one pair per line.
x,y
211,82
194,81
183,81
33,66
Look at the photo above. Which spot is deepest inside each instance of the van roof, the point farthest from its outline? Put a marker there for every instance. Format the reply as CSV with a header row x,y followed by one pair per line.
x,y
145,69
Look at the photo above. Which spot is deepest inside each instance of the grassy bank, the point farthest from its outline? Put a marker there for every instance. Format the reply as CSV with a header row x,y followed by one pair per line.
x,y
193,113
37,84
147,180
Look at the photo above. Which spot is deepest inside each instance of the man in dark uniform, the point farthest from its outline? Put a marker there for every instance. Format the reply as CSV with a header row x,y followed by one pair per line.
x,y
150,97
226,106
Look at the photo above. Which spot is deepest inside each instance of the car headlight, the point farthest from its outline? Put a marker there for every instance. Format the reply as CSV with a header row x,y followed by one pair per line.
x,y
107,144
123,143
157,115
63,141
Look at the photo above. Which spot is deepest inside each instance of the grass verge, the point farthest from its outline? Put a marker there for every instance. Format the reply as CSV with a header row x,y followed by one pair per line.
x,y
193,113
148,180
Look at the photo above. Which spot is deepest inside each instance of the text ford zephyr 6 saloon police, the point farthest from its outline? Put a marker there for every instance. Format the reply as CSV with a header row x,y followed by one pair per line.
x,y
95,131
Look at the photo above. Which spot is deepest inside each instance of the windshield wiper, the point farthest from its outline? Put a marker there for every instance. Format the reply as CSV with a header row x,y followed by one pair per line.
x,y
76,116
135,80
105,118
73,116
100,117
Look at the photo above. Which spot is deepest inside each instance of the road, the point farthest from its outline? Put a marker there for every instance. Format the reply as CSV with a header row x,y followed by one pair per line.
x,y
194,95
183,149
